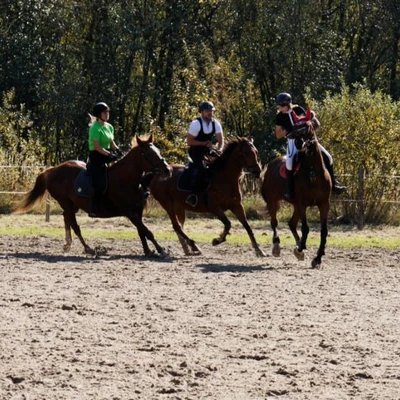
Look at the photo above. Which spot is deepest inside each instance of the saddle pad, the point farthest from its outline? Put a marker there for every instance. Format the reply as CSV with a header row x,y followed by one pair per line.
x,y
184,180
282,169
83,184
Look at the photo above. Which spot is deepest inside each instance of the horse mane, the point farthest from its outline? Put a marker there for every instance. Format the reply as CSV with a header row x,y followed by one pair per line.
x,y
220,162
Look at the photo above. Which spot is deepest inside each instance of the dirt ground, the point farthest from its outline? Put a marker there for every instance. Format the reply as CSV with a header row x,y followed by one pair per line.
x,y
224,325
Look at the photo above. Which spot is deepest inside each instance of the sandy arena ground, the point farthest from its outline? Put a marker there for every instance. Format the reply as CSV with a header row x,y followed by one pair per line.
x,y
224,325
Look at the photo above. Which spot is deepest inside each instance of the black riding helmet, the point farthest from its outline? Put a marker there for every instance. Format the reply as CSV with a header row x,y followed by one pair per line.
x,y
283,99
206,105
99,108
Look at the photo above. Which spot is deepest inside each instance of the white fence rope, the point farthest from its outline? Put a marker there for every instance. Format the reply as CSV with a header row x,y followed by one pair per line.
x,y
246,173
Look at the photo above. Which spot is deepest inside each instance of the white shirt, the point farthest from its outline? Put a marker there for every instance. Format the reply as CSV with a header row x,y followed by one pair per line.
x,y
194,128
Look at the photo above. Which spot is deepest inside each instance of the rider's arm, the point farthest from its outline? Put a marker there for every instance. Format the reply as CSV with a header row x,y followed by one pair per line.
x,y
192,141
280,132
99,149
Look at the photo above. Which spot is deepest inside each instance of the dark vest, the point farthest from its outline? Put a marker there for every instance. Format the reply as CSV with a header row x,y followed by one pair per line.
x,y
197,153
202,137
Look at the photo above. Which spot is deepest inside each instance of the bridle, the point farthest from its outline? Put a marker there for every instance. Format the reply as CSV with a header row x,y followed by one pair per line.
x,y
157,166
251,167
304,139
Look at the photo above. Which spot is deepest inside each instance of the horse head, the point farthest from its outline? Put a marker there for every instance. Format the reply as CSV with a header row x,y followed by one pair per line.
x,y
304,137
152,160
248,154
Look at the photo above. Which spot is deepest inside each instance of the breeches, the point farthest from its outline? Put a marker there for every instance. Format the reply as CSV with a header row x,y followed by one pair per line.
x,y
98,172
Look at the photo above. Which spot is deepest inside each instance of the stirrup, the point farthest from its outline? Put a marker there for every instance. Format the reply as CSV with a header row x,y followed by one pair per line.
x,y
192,200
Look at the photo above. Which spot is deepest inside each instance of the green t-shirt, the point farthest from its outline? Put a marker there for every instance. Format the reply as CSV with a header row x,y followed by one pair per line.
x,y
103,133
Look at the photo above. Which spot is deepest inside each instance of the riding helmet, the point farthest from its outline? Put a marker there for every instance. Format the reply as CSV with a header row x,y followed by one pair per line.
x,y
283,99
99,108
206,105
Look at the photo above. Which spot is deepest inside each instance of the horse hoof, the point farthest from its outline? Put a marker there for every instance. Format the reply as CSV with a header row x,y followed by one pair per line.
x,y
260,253
216,241
299,254
315,264
90,251
276,250
66,248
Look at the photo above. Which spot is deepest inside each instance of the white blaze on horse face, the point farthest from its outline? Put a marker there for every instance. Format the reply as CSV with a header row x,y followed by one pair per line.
x,y
155,149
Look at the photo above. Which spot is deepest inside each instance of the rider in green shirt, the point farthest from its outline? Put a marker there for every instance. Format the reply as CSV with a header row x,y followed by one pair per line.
x,y
101,145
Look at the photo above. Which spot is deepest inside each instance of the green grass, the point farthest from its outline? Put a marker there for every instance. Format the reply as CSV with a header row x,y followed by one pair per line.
x,y
202,230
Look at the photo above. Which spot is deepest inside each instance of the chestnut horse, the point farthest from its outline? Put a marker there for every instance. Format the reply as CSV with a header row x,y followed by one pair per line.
x,y
124,196
312,187
223,193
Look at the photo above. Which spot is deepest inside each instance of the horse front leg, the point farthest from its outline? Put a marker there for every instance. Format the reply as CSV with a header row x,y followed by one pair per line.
x,y
276,241
323,213
293,226
298,251
227,227
145,234
241,216
177,220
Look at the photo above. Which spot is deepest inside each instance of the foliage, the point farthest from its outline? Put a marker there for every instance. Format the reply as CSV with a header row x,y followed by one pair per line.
x,y
362,130
153,61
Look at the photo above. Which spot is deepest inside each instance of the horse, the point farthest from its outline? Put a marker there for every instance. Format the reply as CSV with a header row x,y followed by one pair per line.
x,y
312,187
124,196
223,193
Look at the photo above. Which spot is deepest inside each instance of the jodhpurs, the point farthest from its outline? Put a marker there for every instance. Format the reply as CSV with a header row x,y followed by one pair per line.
x,y
291,151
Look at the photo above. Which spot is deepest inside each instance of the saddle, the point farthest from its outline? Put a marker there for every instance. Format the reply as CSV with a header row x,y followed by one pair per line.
x,y
185,179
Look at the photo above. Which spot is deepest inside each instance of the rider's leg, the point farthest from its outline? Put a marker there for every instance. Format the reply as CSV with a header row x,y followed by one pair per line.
x,y
197,181
197,186
337,188
99,172
290,153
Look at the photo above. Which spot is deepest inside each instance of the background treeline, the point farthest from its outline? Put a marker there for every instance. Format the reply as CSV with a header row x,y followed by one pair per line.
x,y
153,61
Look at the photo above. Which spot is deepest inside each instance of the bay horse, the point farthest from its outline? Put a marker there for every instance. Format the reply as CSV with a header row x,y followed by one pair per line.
x,y
223,193
312,187
124,197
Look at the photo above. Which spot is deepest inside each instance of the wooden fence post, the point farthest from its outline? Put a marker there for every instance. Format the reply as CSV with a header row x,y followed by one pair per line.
x,y
360,198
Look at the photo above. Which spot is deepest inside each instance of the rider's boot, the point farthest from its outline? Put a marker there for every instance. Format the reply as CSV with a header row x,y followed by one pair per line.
x,y
94,205
289,194
337,188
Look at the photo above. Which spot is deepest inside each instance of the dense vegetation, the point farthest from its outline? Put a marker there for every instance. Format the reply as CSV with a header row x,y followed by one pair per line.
x,y
153,61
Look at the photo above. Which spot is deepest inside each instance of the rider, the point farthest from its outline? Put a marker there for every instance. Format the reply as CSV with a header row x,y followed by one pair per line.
x,y
101,145
285,121
199,139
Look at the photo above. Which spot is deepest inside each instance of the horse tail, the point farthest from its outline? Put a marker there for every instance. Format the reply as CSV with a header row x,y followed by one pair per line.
x,y
35,195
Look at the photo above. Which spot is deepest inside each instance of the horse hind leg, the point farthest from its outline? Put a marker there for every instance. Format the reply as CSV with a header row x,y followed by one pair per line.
x,y
70,222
